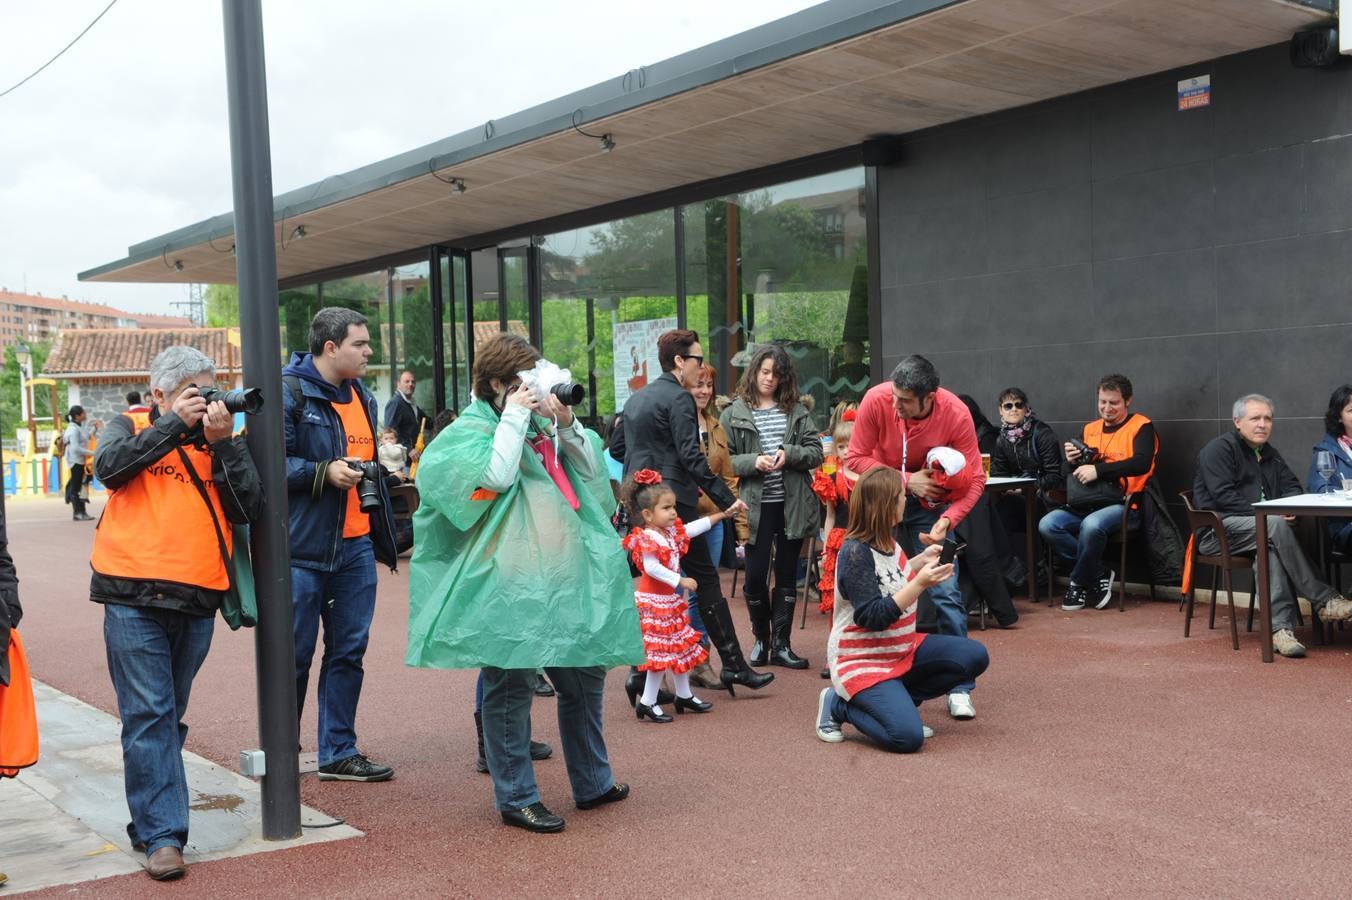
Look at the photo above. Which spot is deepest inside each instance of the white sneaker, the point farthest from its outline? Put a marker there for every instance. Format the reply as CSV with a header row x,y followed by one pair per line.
x,y
1105,590
927,731
960,706
828,729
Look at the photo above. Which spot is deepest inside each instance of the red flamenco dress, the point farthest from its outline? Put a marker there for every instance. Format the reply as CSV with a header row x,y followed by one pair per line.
x,y
834,491
669,643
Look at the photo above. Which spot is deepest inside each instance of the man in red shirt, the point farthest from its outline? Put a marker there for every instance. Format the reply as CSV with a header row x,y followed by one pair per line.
x,y
898,423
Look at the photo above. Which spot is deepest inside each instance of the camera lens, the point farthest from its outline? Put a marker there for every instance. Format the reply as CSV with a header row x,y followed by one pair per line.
x,y
246,400
569,394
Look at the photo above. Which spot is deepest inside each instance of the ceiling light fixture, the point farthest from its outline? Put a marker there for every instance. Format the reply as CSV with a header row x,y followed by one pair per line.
x,y
456,183
298,232
607,140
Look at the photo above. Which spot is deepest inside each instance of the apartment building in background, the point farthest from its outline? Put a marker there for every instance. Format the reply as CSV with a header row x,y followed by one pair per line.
x,y
32,317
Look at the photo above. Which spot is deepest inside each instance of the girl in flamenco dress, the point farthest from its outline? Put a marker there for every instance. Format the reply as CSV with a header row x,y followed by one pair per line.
x,y
669,643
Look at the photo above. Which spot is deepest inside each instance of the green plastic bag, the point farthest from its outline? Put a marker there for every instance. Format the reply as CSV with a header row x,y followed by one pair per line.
x,y
240,605
516,580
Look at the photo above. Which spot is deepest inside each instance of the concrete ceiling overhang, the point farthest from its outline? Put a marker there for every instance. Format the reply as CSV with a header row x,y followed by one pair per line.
x,y
822,79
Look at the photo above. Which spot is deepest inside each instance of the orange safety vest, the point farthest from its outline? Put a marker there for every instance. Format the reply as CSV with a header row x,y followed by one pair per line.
x,y
161,507
140,418
1118,446
18,714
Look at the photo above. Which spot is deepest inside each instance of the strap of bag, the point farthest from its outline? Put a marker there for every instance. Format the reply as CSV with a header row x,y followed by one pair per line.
x,y
202,492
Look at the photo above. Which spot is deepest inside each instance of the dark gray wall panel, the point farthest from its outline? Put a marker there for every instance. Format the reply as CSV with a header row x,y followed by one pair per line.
x,y
1204,253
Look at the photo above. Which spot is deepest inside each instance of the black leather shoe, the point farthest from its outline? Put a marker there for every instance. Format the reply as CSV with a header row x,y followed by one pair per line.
x,y
644,711
616,793
540,750
355,768
542,687
633,686
534,818
692,703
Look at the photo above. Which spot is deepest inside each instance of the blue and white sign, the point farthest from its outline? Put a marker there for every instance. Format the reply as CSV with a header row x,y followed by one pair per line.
x,y
1194,92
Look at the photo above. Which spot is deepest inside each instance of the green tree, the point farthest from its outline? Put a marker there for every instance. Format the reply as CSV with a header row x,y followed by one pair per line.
x,y
222,306
11,408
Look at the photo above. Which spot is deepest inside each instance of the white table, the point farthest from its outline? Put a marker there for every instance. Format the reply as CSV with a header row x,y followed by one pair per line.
x,y
1027,487
1331,505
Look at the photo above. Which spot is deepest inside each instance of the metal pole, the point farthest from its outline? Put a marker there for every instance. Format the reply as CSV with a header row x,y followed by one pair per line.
x,y
256,261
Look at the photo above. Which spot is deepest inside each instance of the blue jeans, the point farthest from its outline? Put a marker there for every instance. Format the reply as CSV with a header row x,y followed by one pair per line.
x,y
887,712
153,655
344,600
946,597
714,539
1081,539
508,694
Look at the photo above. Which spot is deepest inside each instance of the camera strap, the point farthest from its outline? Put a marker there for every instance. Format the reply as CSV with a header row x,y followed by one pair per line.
x,y
211,510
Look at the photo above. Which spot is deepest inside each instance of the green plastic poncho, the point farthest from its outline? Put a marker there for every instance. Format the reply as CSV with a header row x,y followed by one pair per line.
x,y
517,580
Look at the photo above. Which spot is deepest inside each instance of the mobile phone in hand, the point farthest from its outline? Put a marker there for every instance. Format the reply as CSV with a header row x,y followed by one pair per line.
x,y
950,552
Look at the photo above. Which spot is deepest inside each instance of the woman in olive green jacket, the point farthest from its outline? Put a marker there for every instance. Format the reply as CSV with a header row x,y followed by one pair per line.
x,y
774,449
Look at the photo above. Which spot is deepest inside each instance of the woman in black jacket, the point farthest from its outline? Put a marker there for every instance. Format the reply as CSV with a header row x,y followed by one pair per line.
x,y
1026,448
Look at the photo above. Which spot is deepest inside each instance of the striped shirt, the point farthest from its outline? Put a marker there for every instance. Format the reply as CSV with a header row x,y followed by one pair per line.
x,y
860,656
771,424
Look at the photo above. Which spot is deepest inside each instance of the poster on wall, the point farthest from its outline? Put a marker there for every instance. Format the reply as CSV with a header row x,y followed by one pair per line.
x,y
635,346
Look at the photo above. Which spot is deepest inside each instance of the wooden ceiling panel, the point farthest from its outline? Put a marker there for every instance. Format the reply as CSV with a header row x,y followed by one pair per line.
x,y
973,58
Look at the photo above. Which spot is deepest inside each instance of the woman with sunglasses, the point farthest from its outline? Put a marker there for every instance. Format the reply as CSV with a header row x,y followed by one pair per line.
x,y
1026,448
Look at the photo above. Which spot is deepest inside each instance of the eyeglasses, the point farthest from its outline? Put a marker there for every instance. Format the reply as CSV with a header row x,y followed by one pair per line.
x,y
1012,404
699,360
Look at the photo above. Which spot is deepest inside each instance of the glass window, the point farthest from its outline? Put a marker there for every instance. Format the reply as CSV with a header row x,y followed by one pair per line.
x,y
787,264
454,292
414,331
296,307
367,294
607,292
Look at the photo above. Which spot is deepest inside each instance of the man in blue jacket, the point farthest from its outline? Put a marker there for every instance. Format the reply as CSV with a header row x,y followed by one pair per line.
x,y
330,424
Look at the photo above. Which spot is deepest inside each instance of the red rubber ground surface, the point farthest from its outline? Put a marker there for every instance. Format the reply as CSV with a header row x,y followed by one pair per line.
x,y
1110,757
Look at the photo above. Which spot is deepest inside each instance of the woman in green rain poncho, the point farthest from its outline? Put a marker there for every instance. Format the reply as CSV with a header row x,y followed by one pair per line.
x,y
516,566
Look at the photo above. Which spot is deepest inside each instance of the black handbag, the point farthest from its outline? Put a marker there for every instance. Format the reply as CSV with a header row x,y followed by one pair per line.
x,y
1098,494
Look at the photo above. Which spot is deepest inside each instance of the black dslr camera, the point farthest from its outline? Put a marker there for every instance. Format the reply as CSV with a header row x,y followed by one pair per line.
x,y
1087,453
368,489
236,400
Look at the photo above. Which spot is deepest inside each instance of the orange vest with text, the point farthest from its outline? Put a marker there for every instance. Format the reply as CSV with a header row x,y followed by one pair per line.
x,y
161,508
361,443
1119,445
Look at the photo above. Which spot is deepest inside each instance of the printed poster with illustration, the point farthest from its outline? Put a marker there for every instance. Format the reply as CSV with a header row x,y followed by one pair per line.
x,y
635,345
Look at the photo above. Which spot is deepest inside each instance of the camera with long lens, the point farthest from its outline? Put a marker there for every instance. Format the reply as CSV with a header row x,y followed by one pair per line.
x,y
1087,453
368,488
236,400
547,378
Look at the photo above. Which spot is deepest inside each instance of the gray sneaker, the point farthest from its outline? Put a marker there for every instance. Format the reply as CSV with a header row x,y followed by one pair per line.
x,y
1339,609
828,729
1285,643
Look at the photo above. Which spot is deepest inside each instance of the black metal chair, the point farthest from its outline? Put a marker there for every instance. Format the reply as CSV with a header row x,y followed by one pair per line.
x,y
1202,521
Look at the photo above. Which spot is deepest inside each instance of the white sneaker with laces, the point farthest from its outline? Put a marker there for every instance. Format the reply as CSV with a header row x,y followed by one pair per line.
x,y
828,729
960,706
927,731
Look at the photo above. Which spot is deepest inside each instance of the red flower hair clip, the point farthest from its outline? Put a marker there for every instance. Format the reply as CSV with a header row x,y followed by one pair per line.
x,y
647,476
849,416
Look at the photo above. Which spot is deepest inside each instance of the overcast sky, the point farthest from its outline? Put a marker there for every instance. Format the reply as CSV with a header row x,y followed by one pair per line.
x,y
125,137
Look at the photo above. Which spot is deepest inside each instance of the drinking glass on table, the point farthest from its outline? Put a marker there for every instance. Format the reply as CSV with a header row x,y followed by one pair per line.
x,y
1324,465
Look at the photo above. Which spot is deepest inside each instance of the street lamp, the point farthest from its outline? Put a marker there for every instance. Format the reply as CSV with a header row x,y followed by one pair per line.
x,y
23,354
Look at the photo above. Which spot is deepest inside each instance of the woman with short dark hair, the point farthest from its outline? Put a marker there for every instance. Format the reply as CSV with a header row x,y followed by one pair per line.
x,y
1337,442
774,449
517,567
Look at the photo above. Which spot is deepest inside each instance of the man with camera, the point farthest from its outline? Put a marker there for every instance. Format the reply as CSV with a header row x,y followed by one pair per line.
x,y
1115,458
176,482
1239,469
340,526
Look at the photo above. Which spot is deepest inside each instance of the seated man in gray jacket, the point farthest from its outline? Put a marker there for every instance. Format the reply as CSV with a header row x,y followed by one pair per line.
x,y
1239,469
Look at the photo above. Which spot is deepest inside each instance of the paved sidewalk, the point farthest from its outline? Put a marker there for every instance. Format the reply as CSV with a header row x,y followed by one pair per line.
x,y
64,819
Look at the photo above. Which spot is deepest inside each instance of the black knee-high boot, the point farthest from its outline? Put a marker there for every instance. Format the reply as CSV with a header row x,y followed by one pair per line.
x,y
781,624
718,622
758,608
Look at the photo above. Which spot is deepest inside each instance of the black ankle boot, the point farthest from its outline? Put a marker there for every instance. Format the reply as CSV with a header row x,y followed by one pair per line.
x,y
781,625
480,764
758,608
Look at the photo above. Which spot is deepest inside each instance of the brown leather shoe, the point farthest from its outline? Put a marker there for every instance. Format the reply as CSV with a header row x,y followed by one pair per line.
x,y
166,864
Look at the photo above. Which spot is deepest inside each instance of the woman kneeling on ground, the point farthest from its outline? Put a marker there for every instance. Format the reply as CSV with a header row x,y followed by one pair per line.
x,y
881,668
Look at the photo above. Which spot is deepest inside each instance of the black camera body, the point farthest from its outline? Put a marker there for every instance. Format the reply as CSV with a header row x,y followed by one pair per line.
x,y
236,400
1087,453
368,488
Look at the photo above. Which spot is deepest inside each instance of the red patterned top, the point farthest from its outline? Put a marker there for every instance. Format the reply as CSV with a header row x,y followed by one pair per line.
x,y
639,541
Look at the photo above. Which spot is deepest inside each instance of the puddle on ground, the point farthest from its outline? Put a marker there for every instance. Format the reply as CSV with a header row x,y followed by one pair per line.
x,y
227,802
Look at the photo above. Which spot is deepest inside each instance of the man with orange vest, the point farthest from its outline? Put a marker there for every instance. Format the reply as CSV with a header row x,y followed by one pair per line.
x,y
329,419
1122,449
176,483
137,411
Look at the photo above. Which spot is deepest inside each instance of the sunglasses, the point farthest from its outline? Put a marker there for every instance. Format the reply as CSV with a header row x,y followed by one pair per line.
x,y
699,360
1012,404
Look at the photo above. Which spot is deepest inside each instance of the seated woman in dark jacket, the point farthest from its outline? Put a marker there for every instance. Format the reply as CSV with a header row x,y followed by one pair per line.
x,y
1337,441
1026,448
